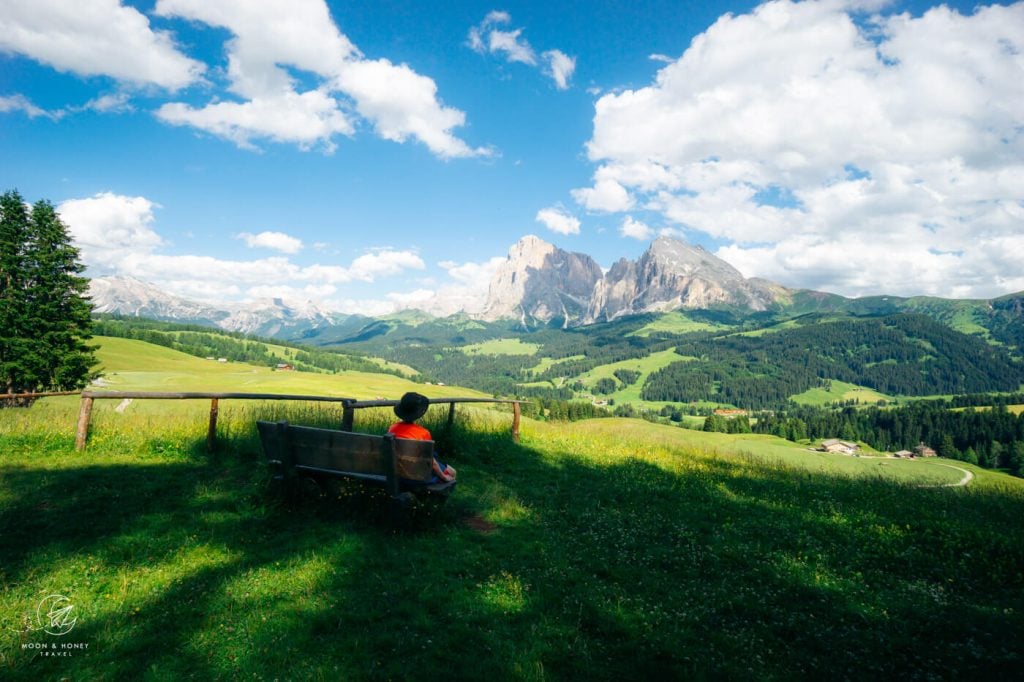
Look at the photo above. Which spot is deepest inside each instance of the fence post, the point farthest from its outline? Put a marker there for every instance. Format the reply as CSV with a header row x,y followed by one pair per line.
x,y
211,434
451,415
84,417
348,416
515,422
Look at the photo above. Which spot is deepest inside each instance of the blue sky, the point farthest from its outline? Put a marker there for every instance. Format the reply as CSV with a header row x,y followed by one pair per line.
x,y
374,156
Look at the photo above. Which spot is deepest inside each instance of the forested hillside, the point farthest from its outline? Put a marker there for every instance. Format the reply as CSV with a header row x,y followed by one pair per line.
x,y
748,363
897,354
202,342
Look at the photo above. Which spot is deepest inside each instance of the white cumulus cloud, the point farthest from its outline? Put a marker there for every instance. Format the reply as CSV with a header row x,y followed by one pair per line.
x,y
113,103
488,37
558,220
833,150
384,262
96,38
110,229
278,241
403,104
269,36
307,119
465,291
116,236
23,104
635,229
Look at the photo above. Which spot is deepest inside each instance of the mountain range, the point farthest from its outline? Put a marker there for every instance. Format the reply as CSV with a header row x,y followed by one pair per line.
x,y
132,297
540,285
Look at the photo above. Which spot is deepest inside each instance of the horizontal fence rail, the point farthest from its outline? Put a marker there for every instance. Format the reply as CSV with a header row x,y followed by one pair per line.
x,y
49,394
349,406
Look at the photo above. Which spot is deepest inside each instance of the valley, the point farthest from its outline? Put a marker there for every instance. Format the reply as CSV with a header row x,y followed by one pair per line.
x,y
678,337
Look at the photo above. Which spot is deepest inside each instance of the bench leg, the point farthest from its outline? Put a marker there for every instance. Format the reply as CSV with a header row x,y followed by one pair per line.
x,y
400,507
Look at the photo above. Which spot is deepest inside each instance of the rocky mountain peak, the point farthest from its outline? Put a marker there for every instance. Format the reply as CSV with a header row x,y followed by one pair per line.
x,y
680,257
670,275
530,251
539,282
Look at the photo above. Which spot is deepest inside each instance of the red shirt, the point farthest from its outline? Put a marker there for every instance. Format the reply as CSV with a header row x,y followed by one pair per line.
x,y
410,431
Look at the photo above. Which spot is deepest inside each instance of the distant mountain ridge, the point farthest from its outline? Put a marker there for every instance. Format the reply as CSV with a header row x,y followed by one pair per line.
x,y
540,285
268,317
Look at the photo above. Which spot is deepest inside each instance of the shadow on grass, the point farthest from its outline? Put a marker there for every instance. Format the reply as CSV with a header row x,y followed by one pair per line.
x,y
712,568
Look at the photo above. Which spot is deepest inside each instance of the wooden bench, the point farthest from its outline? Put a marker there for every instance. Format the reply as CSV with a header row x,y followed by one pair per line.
x,y
402,467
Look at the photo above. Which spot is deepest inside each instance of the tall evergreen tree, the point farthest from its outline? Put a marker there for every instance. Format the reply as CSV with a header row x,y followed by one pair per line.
x,y
44,314
1015,458
59,311
15,232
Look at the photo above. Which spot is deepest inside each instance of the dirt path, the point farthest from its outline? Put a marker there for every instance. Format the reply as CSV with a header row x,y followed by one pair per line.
x,y
968,477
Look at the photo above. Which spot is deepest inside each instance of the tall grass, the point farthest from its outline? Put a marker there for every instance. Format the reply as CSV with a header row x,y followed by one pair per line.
x,y
584,552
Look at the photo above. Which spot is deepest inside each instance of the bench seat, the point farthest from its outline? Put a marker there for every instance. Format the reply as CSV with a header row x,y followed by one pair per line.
x,y
399,465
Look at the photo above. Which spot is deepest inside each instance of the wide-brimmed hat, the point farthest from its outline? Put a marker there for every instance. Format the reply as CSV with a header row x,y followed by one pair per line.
x,y
412,406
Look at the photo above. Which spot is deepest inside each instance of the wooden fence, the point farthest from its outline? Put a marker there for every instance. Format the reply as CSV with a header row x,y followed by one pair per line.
x,y
49,394
349,407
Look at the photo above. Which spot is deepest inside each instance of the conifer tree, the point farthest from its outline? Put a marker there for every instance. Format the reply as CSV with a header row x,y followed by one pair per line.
x,y
59,312
1015,458
14,235
44,314
948,449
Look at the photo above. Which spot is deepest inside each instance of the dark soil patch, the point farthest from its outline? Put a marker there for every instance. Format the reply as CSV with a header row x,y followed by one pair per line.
x,y
479,524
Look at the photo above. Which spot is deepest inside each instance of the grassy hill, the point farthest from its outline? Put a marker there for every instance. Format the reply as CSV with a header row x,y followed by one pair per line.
x,y
569,556
130,365
840,391
135,365
645,366
607,549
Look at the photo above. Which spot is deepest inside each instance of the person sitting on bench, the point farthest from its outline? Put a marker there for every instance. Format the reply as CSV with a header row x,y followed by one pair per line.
x,y
411,407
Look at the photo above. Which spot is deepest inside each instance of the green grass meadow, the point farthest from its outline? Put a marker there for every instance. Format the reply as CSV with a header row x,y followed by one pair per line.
x,y
129,365
645,365
597,550
501,347
841,391
676,323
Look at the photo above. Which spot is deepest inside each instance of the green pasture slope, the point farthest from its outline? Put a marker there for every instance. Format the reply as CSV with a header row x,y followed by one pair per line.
x,y
605,550
129,365
675,322
645,366
841,391
501,347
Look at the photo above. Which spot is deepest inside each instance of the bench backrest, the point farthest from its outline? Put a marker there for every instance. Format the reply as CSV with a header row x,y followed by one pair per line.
x,y
345,452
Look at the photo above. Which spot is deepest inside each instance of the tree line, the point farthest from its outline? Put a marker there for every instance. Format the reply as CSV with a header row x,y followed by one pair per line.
x,y
201,342
992,438
45,317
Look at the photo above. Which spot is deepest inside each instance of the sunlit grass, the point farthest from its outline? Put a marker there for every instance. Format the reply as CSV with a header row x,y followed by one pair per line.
x,y
676,323
645,365
130,365
606,549
501,347
841,391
